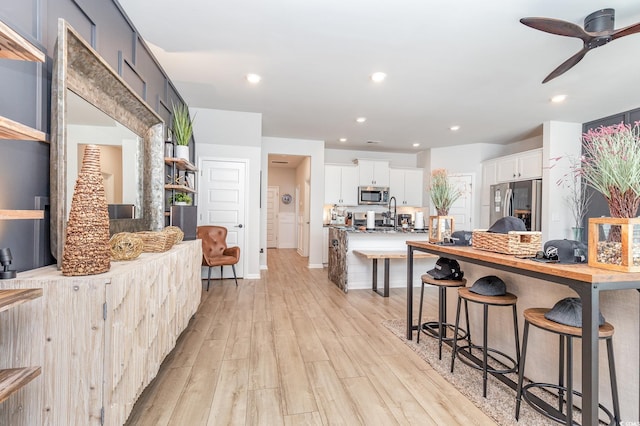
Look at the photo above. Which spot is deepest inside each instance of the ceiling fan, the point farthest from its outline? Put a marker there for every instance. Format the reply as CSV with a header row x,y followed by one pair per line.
x,y
598,31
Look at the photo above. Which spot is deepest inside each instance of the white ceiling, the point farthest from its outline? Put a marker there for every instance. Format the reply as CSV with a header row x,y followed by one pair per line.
x,y
465,62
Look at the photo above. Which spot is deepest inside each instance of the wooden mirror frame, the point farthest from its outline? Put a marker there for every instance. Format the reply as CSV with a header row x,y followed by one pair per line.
x,y
79,68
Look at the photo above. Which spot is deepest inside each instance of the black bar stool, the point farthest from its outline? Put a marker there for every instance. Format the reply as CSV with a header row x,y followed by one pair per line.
x,y
536,317
438,329
508,299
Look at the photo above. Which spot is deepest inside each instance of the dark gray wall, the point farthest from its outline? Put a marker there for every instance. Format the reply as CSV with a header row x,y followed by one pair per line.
x,y
26,92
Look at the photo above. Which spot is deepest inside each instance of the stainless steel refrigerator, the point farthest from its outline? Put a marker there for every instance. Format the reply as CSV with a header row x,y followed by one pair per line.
x,y
521,199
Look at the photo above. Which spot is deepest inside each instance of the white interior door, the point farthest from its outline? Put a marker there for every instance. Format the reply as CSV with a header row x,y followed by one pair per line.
x,y
462,209
273,207
222,203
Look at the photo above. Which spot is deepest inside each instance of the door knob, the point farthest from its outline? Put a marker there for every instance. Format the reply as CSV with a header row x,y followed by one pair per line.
x,y
238,226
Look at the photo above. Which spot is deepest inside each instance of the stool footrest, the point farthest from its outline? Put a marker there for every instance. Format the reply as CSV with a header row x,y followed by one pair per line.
x,y
472,361
432,329
551,412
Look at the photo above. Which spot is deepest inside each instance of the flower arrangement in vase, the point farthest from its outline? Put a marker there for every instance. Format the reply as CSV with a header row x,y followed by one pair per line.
x,y
578,197
611,166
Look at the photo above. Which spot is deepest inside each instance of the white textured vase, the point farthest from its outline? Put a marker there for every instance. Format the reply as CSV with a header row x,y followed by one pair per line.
x,y
182,151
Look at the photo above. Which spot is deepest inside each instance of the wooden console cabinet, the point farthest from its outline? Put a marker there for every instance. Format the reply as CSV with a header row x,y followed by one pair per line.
x,y
100,339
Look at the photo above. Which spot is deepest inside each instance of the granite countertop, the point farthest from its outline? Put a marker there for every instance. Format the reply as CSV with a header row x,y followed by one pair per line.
x,y
381,230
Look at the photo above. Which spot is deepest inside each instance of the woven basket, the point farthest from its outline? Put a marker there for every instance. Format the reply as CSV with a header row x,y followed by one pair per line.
x,y
86,246
515,242
156,241
176,232
125,246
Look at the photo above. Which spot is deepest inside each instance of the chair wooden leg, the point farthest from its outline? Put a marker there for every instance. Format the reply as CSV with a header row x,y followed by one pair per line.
x,y
234,274
209,278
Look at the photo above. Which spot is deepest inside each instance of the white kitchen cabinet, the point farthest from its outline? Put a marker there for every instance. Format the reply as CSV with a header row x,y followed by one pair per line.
x,y
373,172
325,245
341,184
406,186
521,166
489,170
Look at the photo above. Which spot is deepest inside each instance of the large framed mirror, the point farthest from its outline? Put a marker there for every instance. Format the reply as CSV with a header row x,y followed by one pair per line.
x,y
90,101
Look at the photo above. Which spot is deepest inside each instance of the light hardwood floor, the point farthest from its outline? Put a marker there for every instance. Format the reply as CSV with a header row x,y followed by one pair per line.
x,y
292,349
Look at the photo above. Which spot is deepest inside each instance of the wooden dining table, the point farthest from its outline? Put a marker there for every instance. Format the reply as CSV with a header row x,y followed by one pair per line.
x,y
587,281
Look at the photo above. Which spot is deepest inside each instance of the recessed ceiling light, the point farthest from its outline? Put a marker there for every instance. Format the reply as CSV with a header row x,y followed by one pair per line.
x,y
361,119
558,98
415,145
454,128
378,77
253,78
342,139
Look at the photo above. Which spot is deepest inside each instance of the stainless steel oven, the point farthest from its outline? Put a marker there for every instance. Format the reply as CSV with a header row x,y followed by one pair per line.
x,y
373,195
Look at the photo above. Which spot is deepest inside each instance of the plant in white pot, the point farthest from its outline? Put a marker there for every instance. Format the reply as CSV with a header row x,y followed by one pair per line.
x,y
182,130
181,199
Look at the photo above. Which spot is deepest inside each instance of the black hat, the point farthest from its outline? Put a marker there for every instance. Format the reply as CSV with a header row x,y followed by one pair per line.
x,y
569,312
489,286
446,269
461,238
565,251
506,224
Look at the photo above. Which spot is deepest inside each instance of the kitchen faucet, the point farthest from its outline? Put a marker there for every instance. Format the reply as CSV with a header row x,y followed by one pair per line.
x,y
395,221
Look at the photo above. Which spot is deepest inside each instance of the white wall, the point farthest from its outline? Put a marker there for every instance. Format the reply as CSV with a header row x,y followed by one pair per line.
x,y
559,140
315,150
346,156
233,135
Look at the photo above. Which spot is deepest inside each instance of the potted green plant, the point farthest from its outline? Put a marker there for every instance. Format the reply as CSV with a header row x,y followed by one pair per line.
x,y
182,130
443,193
181,199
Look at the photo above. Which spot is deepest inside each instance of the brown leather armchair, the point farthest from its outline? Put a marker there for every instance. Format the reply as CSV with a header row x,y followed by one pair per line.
x,y
215,251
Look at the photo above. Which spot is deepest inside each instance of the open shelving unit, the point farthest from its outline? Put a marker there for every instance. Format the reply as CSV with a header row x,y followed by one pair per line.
x,y
13,379
14,46
178,167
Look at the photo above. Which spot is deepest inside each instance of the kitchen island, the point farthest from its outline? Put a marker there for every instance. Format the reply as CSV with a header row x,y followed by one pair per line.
x,y
541,285
350,271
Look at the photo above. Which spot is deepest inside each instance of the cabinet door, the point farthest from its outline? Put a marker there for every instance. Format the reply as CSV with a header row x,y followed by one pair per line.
x,y
373,173
530,165
381,173
413,188
349,186
332,184
507,169
365,173
396,184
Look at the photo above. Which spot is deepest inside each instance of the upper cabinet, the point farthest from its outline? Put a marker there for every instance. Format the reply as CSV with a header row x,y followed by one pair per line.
x,y
14,46
521,166
406,186
373,172
341,184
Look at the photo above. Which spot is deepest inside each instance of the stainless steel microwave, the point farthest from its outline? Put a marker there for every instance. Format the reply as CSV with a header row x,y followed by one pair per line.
x,y
373,195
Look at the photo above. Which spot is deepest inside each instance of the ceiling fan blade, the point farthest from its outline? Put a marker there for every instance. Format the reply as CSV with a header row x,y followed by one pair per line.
x,y
566,65
631,29
557,26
